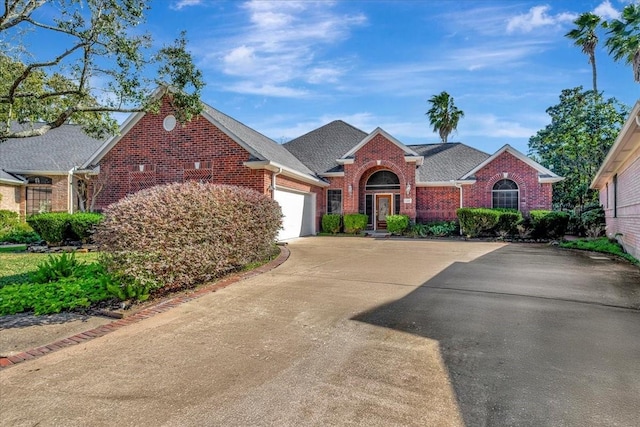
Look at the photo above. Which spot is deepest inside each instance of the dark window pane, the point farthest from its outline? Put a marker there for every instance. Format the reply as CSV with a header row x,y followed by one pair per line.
x,y
368,208
334,201
383,180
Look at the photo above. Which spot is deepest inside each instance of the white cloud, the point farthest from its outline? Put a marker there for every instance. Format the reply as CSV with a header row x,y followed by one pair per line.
x,y
606,11
251,88
180,4
283,45
490,125
537,17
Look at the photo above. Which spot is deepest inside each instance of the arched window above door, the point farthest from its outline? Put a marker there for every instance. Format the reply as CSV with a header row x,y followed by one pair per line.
x,y
383,180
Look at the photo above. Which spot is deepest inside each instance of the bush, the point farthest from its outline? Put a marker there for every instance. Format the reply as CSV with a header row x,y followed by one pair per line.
x,y
549,224
475,221
397,223
331,223
19,233
436,229
179,235
53,227
83,224
355,223
8,218
508,221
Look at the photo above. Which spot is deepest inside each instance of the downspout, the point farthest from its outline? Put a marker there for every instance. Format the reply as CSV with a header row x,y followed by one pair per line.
x,y
273,182
459,186
70,190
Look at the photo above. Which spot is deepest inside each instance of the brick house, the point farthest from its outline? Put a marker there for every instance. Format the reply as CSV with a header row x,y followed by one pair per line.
x,y
618,183
376,174
336,168
40,173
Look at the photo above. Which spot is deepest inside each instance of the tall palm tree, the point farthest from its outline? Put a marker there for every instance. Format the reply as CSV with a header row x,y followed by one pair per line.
x,y
444,115
624,38
584,36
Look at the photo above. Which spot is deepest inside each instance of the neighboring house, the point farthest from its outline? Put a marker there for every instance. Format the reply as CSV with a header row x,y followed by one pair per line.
x,y
37,174
334,169
618,182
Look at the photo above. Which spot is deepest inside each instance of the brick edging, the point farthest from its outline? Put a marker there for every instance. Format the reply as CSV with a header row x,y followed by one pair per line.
x,y
146,313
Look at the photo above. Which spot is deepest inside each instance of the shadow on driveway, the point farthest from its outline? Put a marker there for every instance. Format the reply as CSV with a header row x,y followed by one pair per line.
x,y
532,335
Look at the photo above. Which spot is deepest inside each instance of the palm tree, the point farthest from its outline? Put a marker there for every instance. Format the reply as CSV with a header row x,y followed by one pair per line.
x,y
624,38
444,115
584,36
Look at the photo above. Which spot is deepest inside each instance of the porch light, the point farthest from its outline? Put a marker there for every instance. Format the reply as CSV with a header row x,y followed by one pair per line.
x,y
407,189
350,189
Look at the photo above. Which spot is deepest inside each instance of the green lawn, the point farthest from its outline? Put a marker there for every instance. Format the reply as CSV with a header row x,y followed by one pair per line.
x,y
16,267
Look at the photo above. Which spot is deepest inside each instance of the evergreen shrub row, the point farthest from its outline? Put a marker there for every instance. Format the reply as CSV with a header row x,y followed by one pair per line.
x,y
56,227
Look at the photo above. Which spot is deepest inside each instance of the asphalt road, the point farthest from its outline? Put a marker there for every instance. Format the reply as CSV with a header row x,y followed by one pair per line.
x,y
353,331
532,336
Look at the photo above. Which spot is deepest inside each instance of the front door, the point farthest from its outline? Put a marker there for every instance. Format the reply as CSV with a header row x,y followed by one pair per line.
x,y
383,208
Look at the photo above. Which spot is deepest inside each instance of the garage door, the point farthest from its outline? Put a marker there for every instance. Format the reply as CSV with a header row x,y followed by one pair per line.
x,y
298,213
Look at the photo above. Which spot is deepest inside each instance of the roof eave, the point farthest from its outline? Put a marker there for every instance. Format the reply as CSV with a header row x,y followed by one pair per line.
x,y
621,149
276,167
450,183
517,154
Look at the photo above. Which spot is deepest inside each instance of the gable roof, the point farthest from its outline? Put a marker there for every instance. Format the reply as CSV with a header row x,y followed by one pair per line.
x,y
444,163
56,152
544,174
320,148
627,143
379,131
264,152
261,147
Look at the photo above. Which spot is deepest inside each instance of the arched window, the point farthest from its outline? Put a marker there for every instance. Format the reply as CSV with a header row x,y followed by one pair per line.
x,y
383,180
506,194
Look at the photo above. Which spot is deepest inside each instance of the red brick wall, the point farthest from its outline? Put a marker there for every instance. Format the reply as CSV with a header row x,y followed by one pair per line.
x,y
437,203
165,156
627,220
377,154
440,203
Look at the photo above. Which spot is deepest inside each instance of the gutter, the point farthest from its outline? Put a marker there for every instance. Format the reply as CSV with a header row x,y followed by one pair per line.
x,y
70,189
273,182
458,185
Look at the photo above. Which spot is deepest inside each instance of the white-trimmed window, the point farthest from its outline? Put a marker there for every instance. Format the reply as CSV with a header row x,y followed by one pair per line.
x,y
334,202
506,194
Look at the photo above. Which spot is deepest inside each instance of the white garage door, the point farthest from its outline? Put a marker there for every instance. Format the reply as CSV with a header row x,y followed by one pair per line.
x,y
298,212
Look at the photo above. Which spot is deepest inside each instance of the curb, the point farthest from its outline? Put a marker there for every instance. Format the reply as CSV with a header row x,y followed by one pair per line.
x,y
160,307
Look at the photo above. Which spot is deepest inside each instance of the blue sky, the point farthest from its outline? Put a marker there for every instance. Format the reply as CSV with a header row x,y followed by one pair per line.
x,y
287,67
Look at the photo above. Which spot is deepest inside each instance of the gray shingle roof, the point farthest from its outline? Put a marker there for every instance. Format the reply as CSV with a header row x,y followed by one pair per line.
x,y
446,162
58,150
320,148
263,148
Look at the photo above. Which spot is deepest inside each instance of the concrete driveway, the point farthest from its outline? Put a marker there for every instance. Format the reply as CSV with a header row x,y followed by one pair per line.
x,y
354,331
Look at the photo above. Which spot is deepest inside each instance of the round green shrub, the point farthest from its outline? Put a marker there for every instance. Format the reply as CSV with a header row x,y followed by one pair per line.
x,y
331,223
179,235
83,224
397,223
355,223
53,227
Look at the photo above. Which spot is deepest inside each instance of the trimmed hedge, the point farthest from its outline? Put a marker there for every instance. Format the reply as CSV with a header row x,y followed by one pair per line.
x,y
508,221
549,224
355,223
475,221
397,223
51,226
331,223
83,224
8,218
55,227
179,235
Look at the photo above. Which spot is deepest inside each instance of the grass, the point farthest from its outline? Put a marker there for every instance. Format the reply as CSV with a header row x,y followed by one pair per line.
x,y
603,245
16,267
11,249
